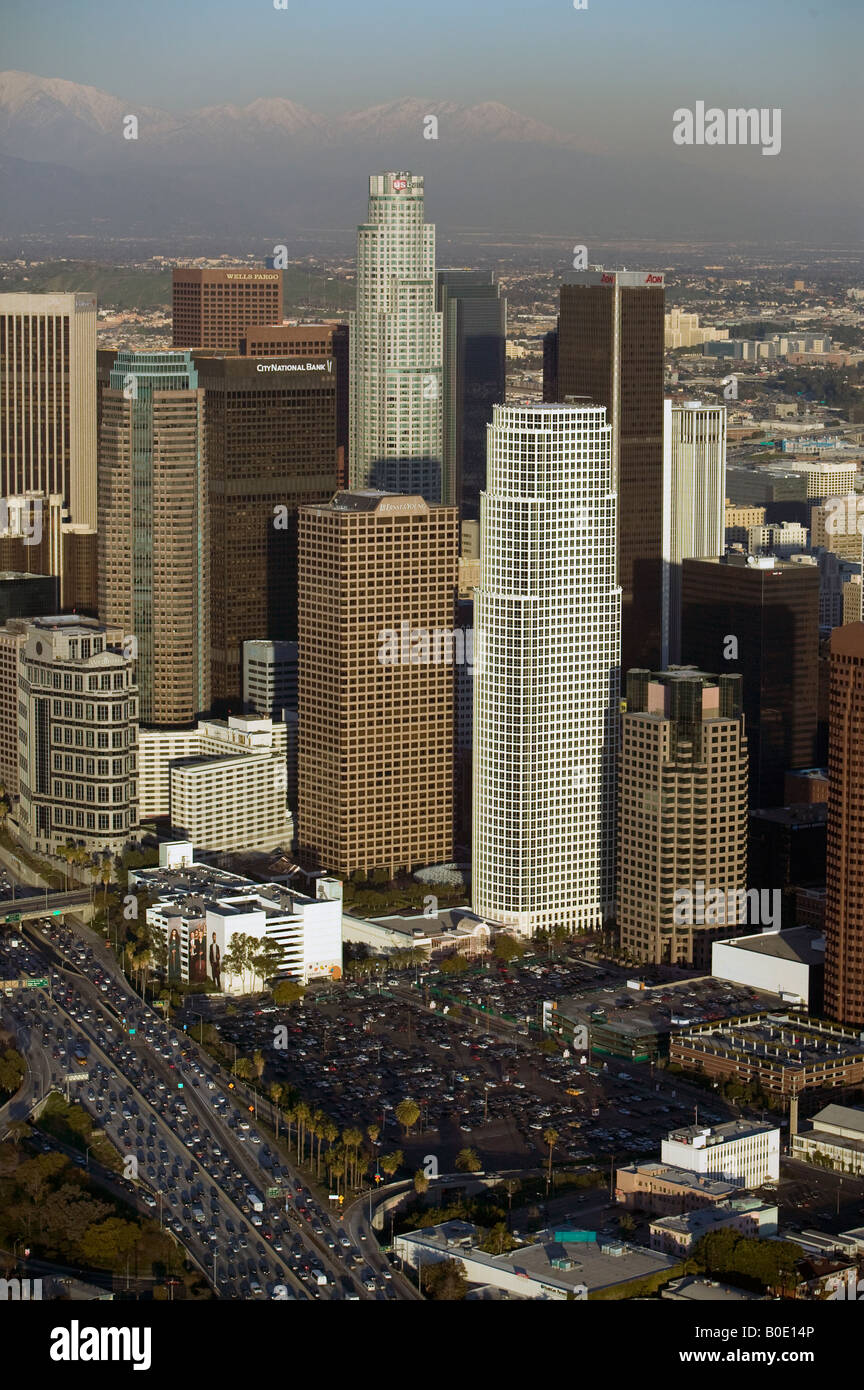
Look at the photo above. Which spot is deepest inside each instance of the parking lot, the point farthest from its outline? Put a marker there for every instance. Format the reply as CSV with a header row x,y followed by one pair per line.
x,y
356,1052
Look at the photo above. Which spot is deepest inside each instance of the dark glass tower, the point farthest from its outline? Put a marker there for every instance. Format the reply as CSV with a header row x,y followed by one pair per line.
x,y
475,331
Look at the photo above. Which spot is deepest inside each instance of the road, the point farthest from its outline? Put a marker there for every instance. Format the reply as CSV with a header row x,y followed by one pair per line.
x,y
142,1073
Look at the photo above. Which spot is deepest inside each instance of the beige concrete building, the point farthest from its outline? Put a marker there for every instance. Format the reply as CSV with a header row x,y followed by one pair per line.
x,y
682,330
377,590
682,847
48,399
77,736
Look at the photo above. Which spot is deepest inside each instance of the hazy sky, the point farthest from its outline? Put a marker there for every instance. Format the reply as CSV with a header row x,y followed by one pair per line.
x,y
612,65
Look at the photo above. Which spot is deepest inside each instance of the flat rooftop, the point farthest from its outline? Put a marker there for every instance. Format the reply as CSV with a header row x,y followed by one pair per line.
x,y
799,944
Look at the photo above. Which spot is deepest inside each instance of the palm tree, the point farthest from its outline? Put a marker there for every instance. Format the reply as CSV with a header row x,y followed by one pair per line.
x,y
468,1161
421,1182
302,1114
353,1139
550,1137
373,1131
243,1068
392,1161
407,1113
276,1092
258,1061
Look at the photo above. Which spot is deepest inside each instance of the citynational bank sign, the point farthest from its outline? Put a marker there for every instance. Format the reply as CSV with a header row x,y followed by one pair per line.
x,y
323,367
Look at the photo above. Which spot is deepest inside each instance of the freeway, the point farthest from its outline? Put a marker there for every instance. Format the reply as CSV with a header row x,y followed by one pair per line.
x,y
304,1247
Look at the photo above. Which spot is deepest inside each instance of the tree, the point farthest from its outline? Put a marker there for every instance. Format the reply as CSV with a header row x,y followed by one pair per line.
x,y
445,1282
468,1161
507,948
287,992
421,1182
498,1240
407,1113
453,965
265,958
12,1071
243,1068
373,1132
550,1137
276,1092
392,1162
258,1062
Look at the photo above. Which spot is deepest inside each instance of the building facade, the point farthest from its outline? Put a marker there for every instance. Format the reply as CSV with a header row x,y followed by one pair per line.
x,y
215,308
396,438
270,429
844,899
77,736
546,679
154,564
682,814
48,399
746,1152
475,332
610,350
377,596
760,620
694,491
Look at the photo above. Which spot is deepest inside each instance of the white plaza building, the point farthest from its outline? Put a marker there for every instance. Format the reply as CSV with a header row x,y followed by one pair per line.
x,y
396,359
547,671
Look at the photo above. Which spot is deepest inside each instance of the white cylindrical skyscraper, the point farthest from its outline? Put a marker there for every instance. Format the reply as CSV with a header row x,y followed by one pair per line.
x,y
547,674
395,346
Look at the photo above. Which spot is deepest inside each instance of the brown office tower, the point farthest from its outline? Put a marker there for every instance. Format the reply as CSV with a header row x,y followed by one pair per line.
x,y
310,342
760,619
376,656
844,897
271,448
682,837
153,530
214,308
610,349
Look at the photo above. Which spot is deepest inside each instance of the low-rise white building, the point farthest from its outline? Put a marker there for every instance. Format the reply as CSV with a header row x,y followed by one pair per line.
x,y
779,962
746,1152
201,912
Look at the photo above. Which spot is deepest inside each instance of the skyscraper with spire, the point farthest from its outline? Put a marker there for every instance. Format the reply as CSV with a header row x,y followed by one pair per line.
x,y
396,346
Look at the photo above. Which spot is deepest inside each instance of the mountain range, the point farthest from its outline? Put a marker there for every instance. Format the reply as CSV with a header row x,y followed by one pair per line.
x,y
262,170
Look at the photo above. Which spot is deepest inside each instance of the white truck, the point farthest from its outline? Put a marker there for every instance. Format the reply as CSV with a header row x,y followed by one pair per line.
x,y
256,1201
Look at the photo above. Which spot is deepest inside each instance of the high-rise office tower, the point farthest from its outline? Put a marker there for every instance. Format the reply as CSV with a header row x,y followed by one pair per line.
x,y
475,335
547,672
304,343
77,735
694,468
270,426
610,350
682,817
844,881
48,399
377,650
760,619
153,529
215,308
396,346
